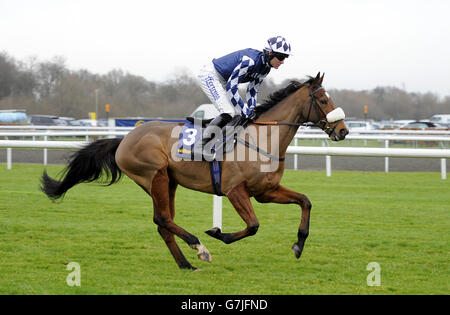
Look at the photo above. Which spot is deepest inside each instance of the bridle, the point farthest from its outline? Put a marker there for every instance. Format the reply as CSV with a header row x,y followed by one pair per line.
x,y
325,120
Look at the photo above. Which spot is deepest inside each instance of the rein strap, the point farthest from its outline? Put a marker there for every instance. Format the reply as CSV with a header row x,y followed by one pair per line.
x,y
274,123
257,149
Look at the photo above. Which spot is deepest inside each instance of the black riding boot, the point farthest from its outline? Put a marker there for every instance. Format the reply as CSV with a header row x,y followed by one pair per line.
x,y
218,122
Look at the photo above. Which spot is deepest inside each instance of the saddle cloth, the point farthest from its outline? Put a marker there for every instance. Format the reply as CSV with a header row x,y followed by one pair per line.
x,y
190,135
189,142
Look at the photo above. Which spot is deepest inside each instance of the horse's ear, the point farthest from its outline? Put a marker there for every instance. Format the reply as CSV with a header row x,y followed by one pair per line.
x,y
317,77
321,79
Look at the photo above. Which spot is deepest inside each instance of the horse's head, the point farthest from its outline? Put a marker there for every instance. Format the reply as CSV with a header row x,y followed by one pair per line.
x,y
323,112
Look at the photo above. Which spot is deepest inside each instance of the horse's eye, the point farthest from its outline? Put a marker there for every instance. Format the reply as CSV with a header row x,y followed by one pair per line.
x,y
324,102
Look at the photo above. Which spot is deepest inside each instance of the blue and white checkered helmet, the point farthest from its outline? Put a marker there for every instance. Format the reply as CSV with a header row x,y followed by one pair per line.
x,y
278,44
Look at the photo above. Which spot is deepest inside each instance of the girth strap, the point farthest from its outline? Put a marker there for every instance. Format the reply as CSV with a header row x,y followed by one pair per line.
x,y
216,176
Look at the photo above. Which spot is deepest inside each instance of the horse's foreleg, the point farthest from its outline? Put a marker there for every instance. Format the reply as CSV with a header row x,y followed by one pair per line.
x,y
163,201
240,199
286,196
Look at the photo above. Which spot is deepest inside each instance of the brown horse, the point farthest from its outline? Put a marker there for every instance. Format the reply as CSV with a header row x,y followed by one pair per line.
x,y
146,155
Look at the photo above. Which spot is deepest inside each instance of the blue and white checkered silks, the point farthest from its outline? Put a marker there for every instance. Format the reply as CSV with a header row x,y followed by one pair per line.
x,y
278,44
252,90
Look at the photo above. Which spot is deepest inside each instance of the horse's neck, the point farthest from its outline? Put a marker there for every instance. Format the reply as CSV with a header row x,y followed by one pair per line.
x,y
288,110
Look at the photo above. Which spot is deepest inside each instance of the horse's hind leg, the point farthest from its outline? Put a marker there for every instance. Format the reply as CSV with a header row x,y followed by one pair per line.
x,y
240,200
286,196
176,252
163,201
168,236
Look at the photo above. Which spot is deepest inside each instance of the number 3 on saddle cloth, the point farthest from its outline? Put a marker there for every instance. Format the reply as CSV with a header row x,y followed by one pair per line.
x,y
189,149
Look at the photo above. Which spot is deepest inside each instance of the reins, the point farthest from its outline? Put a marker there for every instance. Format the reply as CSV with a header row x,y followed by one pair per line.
x,y
275,123
260,151
313,104
323,124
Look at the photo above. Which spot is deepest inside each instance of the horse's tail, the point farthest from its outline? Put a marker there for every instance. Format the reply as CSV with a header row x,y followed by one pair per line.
x,y
85,165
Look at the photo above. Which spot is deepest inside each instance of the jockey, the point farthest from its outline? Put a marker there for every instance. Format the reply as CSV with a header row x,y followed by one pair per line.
x,y
219,80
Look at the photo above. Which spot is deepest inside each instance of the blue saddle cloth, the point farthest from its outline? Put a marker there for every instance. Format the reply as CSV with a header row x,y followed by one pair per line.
x,y
190,134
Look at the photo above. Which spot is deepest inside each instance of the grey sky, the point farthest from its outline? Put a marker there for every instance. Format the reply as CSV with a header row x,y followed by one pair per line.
x,y
358,44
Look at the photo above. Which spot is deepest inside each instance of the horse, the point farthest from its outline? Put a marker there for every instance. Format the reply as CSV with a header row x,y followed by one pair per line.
x,y
145,155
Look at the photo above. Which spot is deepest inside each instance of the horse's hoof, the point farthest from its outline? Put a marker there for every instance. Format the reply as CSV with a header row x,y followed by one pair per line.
x,y
188,267
214,232
205,256
202,252
297,250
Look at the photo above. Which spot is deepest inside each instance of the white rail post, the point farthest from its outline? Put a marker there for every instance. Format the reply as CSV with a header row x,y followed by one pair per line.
x,y
386,159
443,168
295,155
8,158
217,212
45,151
328,163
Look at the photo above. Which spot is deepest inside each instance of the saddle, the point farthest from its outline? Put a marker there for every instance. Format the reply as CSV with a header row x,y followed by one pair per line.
x,y
203,122
189,147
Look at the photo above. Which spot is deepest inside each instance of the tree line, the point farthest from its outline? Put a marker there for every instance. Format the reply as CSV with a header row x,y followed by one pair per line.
x,y
49,87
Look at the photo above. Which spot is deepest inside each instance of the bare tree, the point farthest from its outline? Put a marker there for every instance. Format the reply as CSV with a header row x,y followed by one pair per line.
x,y
48,87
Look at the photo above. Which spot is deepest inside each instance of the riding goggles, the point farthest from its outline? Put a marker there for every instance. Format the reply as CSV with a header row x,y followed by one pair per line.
x,y
280,56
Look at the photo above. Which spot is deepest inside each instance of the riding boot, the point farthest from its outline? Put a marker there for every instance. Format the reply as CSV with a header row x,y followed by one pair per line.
x,y
218,122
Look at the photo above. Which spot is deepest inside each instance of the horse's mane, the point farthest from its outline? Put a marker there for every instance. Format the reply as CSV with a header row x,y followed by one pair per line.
x,y
280,95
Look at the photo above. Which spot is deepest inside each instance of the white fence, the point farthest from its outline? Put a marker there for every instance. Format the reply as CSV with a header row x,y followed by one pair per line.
x,y
387,136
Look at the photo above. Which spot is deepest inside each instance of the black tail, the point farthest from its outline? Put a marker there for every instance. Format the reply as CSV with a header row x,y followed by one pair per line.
x,y
85,165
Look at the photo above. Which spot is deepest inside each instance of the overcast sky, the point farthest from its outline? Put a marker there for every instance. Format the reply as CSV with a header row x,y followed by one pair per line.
x,y
358,44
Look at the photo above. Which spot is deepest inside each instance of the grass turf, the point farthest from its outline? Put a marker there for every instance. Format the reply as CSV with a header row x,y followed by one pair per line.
x,y
399,220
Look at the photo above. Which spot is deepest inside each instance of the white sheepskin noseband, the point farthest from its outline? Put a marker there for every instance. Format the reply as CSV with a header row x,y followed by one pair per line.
x,y
335,115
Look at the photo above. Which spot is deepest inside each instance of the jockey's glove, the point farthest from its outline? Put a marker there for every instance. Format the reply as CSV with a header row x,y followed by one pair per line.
x,y
251,117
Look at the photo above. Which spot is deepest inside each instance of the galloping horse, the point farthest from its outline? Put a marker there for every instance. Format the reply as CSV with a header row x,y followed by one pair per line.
x,y
145,156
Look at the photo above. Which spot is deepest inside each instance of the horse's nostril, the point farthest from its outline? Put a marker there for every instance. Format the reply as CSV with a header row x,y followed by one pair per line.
x,y
343,132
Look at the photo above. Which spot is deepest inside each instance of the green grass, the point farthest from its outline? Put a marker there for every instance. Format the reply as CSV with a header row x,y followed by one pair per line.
x,y
400,220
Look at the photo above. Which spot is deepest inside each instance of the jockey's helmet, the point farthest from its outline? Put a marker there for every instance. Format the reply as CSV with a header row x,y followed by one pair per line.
x,y
278,47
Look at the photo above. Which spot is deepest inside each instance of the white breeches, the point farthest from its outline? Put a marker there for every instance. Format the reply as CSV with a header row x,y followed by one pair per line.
x,y
213,85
